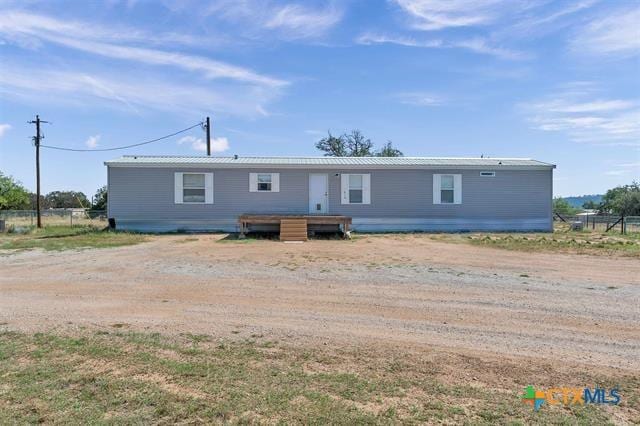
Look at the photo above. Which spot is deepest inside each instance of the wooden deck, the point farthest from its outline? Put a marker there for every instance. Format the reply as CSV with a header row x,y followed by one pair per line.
x,y
293,227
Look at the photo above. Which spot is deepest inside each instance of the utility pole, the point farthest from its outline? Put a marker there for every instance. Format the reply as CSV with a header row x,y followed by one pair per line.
x,y
36,141
208,126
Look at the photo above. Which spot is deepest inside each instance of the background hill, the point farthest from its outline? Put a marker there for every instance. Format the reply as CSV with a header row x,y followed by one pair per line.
x,y
578,200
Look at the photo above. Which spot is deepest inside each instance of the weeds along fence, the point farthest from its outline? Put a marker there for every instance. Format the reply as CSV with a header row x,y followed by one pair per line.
x,y
603,223
51,217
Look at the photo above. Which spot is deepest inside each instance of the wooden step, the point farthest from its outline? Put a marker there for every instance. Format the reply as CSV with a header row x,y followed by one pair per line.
x,y
293,230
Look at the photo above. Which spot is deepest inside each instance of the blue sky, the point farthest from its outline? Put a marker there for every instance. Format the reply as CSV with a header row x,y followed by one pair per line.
x,y
552,80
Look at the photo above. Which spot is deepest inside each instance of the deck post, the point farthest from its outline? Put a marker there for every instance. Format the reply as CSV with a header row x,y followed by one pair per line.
x,y
346,233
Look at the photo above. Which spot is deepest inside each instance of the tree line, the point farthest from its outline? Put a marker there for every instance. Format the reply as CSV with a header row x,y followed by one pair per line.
x,y
354,144
14,196
623,200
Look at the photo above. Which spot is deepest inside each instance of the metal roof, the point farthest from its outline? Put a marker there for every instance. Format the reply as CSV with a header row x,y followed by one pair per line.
x,y
328,162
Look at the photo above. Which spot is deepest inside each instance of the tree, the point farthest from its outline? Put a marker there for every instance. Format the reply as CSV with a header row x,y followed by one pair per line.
x,y
32,201
332,146
358,145
622,200
13,196
562,207
388,150
354,144
66,200
100,199
590,205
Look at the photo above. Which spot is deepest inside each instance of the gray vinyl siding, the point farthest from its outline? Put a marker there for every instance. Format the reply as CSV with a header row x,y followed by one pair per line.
x,y
146,194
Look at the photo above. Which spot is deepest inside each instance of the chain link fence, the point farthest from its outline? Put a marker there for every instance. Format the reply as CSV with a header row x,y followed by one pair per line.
x,y
603,223
51,217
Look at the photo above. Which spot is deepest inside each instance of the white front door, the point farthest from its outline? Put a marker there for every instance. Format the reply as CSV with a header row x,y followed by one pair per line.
x,y
318,193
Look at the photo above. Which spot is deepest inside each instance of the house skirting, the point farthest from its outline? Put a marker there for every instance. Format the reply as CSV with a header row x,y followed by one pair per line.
x,y
450,225
359,225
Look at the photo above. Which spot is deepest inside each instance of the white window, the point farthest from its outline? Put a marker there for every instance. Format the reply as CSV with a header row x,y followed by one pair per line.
x,y
487,174
193,188
356,188
447,189
264,182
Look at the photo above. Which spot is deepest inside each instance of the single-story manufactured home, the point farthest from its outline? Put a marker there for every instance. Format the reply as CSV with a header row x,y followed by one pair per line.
x,y
167,193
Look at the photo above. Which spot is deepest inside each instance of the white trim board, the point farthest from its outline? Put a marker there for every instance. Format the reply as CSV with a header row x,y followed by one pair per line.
x,y
333,167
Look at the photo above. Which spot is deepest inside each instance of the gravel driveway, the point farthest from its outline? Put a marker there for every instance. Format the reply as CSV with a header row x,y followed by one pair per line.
x,y
399,290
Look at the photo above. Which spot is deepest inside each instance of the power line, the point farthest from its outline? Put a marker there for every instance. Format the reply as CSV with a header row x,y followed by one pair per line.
x,y
123,147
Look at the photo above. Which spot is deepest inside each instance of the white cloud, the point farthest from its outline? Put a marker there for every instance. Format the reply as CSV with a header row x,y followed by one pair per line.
x,y
210,68
535,25
584,119
301,22
4,128
92,141
14,23
99,41
132,92
430,15
624,169
220,144
494,21
481,45
374,38
435,15
197,144
635,165
289,21
616,34
477,45
591,106
422,99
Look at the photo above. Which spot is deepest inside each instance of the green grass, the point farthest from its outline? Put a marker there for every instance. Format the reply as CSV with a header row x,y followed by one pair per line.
x,y
120,377
569,242
67,238
562,240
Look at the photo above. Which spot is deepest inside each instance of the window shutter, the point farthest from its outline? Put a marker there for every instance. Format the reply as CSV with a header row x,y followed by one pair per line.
x,y
457,189
177,188
436,189
366,189
208,188
253,182
275,182
344,187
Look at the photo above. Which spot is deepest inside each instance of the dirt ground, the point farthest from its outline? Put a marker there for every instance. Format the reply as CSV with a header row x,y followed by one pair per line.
x,y
403,291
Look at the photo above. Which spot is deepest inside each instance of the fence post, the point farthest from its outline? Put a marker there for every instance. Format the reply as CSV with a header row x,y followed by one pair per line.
x,y
71,218
31,216
622,226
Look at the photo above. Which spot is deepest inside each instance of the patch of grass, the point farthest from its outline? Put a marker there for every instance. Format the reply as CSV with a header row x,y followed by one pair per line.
x,y
128,377
68,238
562,240
187,240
